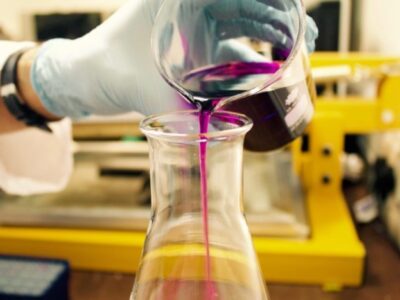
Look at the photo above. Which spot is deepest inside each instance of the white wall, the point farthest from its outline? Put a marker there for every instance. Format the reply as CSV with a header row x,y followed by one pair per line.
x,y
380,26
380,22
15,14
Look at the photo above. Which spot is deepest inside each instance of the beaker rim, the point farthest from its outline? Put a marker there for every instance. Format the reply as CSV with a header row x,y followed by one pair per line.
x,y
296,50
151,126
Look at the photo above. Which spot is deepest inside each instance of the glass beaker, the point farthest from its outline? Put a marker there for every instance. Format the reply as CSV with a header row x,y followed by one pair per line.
x,y
194,251
246,56
282,111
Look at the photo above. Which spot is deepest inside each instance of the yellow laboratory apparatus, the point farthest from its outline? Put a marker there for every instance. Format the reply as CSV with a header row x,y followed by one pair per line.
x,y
328,253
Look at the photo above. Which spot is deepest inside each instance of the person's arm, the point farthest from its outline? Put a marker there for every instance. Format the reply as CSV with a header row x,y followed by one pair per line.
x,y
31,160
111,70
108,71
8,123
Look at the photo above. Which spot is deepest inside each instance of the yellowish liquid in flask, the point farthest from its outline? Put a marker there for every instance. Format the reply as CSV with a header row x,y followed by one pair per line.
x,y
177,272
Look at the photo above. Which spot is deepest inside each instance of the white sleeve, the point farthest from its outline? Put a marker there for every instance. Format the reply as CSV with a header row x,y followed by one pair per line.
x,y
33,161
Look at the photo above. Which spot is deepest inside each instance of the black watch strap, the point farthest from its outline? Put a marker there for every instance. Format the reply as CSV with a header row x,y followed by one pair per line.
x,y
11,98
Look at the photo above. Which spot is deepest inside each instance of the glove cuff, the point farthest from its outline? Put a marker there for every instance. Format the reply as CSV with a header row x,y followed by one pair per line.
x,y
53,80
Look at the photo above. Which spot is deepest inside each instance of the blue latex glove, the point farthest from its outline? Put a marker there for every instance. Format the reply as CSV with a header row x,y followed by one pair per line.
x,y
311,34
208,25
108,71
232,50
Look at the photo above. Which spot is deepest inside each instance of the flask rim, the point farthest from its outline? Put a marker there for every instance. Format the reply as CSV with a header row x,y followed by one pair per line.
x,y
152,126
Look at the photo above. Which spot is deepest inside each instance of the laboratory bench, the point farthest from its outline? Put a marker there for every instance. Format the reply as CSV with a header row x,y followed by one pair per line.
x,y
381,280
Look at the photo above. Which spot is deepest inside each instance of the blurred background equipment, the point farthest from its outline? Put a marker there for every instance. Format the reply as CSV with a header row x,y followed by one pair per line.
x,y
293,198
38,20
296,211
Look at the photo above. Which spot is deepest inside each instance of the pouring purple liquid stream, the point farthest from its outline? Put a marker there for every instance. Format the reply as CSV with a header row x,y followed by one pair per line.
x,y
216,75
204,119
279,116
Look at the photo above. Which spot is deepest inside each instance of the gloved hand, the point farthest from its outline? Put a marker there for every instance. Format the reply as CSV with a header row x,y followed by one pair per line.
x,y
108,71
207,25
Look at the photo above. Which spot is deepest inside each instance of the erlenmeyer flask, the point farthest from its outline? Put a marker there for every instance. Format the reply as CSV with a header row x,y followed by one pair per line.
x,y
192,252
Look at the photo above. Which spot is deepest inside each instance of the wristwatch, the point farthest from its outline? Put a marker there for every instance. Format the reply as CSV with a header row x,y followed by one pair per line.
x,y
12,100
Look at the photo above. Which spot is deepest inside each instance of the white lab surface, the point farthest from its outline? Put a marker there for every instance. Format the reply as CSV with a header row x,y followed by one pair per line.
x,y
379,26
33,161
